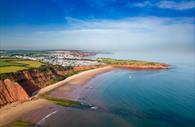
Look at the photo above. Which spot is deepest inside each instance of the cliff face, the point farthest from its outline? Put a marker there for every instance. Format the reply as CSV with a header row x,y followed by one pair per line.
x,y
23,84
33,80
11,91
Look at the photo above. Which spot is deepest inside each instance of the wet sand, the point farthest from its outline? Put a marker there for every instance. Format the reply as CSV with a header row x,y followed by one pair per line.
x,y
15,111
70,117
80,78
75,86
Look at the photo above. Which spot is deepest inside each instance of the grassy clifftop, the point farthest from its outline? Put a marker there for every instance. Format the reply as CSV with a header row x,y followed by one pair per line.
x,y
133,64
8,65
129,62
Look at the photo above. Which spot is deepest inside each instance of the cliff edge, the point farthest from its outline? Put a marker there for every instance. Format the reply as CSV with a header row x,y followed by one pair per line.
x,y
11,91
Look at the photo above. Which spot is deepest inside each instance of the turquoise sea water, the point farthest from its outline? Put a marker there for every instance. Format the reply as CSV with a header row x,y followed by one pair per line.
x,y
129,98
161,98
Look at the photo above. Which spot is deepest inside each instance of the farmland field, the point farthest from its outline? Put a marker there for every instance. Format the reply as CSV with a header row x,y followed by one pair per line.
x,y
8,65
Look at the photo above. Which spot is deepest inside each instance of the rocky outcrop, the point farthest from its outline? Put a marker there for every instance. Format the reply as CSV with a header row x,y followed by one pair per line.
x,y
11,91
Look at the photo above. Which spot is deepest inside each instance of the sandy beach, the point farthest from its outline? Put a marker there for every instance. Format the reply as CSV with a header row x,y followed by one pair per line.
x,y
80,78
15,111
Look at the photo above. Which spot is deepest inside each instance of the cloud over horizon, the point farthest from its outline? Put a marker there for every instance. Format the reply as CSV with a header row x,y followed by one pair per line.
x,y
99,24
124,34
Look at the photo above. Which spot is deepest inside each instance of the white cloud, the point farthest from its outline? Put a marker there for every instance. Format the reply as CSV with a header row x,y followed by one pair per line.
x,y
143,4
124,34
165,4
178,6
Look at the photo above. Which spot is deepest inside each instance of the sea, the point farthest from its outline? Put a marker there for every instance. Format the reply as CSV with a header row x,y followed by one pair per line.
x,y
148,98
137,98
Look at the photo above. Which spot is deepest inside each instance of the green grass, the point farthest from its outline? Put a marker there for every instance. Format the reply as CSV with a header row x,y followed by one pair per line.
x,y
62,102
29,63
8,65
21,123
127,62
73,72
5,63
11,69
56,79
6,76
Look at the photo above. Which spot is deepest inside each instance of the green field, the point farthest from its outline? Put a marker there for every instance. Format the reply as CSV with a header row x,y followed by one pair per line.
x,y
126,62
8,65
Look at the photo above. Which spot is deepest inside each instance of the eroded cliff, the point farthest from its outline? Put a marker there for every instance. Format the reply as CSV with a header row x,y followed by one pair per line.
x,y
11,91
21,85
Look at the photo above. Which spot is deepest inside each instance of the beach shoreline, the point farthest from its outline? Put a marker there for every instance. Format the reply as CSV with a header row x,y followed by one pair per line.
x,y
14,111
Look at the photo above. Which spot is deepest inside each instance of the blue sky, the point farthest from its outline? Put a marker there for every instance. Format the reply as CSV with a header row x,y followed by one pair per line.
x,y
97,24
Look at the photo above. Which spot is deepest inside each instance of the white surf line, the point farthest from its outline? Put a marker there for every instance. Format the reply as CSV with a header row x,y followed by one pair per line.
x,y
42,120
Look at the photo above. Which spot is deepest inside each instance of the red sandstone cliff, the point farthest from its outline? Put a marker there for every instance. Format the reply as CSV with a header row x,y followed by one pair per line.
x,y
11,91
23,84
